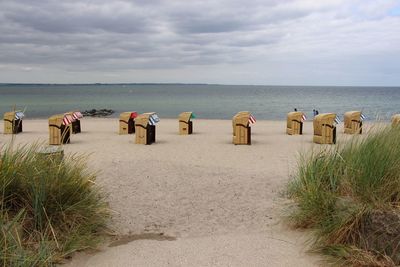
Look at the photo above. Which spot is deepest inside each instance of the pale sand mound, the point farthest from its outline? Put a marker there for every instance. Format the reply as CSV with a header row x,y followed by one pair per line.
x,y
222,202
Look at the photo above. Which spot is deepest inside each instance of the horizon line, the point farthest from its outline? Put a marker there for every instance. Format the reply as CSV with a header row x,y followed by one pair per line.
x,y
177,83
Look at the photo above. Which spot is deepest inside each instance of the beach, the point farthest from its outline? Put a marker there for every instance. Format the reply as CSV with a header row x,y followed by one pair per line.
x,y
226,195
195,200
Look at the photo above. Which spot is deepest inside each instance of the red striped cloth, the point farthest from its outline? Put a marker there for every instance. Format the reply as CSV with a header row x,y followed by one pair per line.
x,y
68,119
252,119
77,115
303,117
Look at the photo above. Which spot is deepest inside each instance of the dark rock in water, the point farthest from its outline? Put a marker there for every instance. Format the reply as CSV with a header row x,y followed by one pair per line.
x,y
97,113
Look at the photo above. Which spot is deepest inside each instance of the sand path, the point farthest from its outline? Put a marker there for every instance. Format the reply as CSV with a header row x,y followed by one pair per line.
x,y
220,202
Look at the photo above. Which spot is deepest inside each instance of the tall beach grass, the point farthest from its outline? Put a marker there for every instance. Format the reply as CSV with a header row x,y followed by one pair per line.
x,y
349,195
49,208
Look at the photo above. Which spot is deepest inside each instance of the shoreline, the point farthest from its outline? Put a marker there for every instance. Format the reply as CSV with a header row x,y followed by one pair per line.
x,y
368,121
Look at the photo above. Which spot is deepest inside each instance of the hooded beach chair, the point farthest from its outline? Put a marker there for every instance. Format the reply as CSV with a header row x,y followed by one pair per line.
x,y
76,124
241,128
324,128
396,120
295,123
145,126
185,124
352,122
60,129
127,122
13,122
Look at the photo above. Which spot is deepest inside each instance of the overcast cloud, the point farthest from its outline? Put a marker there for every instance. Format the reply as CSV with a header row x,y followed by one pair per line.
x,y
292,42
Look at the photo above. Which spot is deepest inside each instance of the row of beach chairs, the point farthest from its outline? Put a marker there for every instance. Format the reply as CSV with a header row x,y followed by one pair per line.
x,y
61,126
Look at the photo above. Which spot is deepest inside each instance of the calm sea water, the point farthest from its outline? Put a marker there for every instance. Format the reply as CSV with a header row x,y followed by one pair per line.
x,y
206,101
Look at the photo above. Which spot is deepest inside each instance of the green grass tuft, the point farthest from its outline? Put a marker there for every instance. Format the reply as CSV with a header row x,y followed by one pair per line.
x,y
349,195
49,208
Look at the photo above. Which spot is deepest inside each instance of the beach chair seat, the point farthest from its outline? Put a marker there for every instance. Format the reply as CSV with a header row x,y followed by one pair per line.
x,y
76,124
324,128
294,123
352,122
185,123
13,122
145,126
60,129
241,128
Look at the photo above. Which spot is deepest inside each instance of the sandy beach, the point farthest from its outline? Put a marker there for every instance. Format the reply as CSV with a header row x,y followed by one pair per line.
x,y
193,200
199,200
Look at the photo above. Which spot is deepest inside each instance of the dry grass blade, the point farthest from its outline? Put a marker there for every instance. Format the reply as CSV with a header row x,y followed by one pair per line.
x,y
349,195
49,208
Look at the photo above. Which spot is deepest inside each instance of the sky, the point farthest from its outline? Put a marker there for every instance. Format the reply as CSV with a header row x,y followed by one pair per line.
x,y
263,42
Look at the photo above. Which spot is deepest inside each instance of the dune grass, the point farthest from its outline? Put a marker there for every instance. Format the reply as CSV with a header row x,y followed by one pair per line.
x,y
349,195
49,208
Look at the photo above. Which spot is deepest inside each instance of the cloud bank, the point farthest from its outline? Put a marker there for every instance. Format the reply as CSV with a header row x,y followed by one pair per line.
x,y
336,42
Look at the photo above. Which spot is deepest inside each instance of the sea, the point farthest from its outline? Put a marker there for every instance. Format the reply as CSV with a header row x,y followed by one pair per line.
x,y
207,101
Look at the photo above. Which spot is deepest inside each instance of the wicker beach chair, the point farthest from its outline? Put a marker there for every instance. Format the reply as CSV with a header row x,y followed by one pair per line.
x,y
185,124
145,128
59,129
352,122
294,123
241,128
76,124
324,128
13,122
